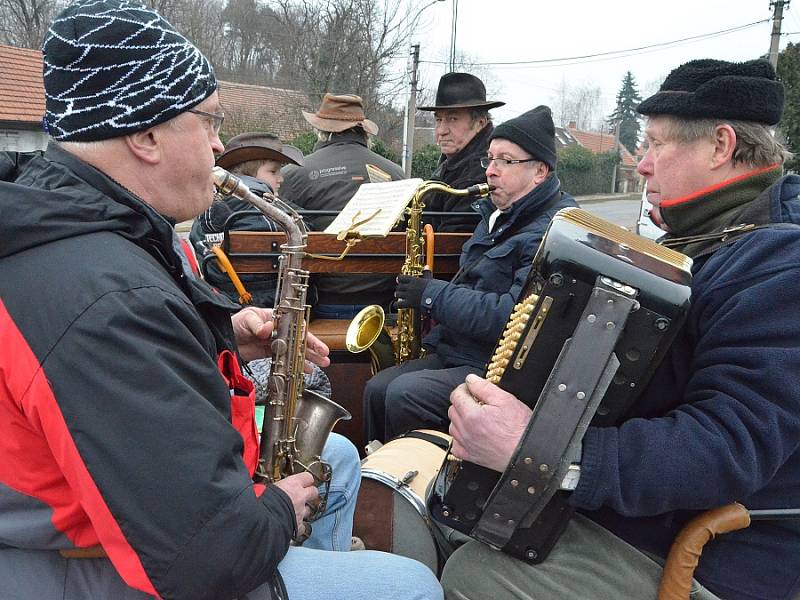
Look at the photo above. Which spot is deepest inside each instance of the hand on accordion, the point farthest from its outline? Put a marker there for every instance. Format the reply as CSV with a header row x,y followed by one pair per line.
x,y
486,423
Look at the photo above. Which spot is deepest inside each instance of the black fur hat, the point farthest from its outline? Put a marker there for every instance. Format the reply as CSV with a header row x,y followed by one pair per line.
x,y
707,88
533,131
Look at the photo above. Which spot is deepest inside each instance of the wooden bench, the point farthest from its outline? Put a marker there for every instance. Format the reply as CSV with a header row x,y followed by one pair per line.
x,y
259,252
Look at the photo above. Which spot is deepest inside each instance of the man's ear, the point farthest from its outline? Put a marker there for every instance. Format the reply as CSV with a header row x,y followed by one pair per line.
x,y
541,171
145,145
724,145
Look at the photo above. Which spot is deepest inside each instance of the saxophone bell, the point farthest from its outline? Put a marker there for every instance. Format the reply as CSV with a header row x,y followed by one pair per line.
x,y
367,331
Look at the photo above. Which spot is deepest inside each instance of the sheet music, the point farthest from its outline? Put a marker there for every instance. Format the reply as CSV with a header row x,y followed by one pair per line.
x,y
386,201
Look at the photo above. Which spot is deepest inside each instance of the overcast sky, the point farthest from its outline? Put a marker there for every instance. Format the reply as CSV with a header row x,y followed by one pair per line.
x,y
533,30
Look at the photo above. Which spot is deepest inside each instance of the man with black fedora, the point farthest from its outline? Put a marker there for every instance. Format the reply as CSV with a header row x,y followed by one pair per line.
x,y
330,176
719,422
471,310
463,129
129,439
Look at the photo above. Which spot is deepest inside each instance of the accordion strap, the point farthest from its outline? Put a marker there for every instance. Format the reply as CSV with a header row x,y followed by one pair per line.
x,y
577,384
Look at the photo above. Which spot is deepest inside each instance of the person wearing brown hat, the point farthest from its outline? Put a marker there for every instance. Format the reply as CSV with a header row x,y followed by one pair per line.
x,y
329,177
129,439
472,309
256,158
463,129
720,419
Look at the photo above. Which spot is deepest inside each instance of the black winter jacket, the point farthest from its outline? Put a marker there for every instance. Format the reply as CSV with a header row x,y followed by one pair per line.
x,y
471,311
459,171
117,424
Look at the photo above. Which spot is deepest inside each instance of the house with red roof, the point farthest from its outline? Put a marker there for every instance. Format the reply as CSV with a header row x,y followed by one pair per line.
x,y
628,180
21,100
247,107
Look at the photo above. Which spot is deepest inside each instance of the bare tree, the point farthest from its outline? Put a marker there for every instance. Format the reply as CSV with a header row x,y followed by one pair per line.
x,y
580,103
25,22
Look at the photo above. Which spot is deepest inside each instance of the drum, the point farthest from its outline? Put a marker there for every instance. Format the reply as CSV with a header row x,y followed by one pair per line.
x,y
390,511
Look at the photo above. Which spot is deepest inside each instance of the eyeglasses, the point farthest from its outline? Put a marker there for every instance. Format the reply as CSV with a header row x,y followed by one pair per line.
x,y
213,118
503,162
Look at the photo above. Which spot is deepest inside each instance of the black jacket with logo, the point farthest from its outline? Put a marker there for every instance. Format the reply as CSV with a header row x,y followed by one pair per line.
x,y
329,178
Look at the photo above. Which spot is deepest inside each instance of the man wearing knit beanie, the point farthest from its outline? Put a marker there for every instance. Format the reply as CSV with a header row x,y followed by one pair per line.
x,y
472,309
129,441
720,419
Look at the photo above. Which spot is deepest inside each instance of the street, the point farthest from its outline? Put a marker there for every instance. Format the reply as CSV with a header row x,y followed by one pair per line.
x,y
620,211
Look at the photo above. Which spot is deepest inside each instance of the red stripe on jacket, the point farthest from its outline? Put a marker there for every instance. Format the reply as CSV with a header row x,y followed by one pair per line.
x,y
39,458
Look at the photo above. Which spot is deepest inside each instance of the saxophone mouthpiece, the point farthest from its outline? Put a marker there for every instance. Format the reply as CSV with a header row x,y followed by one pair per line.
x,y
225,183
479,189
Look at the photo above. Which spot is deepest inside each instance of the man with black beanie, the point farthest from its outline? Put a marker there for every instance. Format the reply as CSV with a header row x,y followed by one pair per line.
x,y
719,421
471,310
129,438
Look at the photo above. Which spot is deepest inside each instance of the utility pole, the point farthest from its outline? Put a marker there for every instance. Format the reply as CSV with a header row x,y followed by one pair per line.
x,y
453,34
617,125
411,112
777,17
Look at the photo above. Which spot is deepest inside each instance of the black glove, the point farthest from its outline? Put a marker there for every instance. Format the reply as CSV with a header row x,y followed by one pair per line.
x,y
409,291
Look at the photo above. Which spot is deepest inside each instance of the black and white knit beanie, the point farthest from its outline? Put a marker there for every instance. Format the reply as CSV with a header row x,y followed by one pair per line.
x,y
113,67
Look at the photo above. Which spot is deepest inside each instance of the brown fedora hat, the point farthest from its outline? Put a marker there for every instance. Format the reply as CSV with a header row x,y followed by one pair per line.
x,y
461,90
337,113
258,146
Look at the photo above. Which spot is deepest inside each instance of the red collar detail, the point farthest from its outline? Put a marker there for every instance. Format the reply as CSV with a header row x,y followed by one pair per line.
x,y
717,186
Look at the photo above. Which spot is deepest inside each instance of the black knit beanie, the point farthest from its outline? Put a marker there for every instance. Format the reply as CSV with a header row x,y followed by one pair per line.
x,y
532,131
717,89
113,67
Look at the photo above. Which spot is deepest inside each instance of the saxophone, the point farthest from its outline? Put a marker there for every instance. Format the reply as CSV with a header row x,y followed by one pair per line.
x,y
367,329
297,421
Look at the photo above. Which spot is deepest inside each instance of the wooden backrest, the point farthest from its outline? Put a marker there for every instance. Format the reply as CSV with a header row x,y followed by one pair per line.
x,y
258,252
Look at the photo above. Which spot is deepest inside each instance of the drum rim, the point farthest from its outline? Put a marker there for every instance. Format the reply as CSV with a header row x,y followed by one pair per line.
x,y
401,488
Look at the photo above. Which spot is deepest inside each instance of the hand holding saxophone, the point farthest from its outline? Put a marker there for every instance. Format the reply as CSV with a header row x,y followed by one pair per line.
x,y
253,328
304,495
486,423
410,290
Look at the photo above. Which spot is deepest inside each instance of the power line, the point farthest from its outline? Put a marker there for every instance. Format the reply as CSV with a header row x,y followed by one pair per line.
x,y
620,53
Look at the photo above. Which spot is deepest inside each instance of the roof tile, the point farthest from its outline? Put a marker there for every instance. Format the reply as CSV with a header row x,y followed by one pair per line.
x,y
247,107
21,87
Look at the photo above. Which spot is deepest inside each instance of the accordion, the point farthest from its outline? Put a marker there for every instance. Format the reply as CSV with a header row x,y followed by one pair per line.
x,y
598,312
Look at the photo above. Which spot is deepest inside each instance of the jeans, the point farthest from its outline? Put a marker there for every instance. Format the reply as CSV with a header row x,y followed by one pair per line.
x,y
310,572
334,529
336,311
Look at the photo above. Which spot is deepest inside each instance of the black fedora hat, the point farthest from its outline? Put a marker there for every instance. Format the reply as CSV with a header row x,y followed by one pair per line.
x,y
461,90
